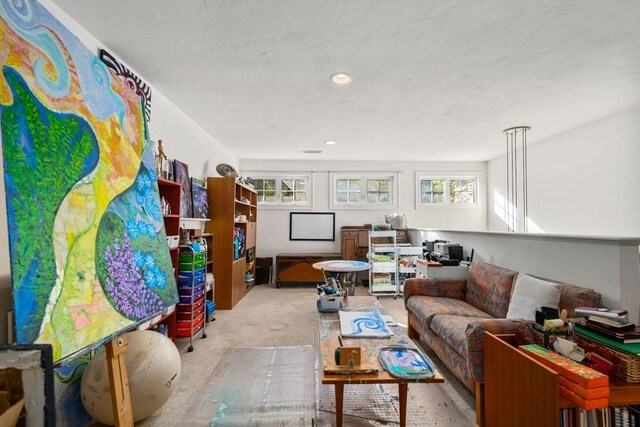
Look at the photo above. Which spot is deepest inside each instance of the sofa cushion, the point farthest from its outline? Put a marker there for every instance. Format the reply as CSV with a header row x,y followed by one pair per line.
x,y
427,307
452,330
489,288
530,294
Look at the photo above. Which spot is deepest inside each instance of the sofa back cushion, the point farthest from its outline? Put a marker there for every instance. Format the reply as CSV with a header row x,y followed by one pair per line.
x,y
489,288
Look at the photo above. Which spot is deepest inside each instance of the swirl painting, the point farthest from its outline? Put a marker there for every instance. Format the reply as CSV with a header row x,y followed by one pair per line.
x,y
87,243
363,324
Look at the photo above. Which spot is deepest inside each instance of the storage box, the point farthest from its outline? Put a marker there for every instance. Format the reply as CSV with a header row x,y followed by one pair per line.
x,y
173,241
329,303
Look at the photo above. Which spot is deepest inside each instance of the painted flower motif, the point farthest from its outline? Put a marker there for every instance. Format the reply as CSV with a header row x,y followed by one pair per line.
x,y
132,229
149,260
128,291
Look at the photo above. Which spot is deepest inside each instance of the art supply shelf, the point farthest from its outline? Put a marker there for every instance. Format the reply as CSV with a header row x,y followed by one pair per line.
x,y
191,310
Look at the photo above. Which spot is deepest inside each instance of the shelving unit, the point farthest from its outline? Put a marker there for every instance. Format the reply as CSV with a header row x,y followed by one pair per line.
x,y
518,390
170,191
233,211
412,254
383,275
191,290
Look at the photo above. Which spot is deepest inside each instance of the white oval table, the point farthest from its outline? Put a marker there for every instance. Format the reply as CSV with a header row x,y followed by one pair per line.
x,y
344,271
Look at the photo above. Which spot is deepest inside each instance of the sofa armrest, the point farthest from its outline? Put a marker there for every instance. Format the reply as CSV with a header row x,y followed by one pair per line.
x,y
445,288
475,340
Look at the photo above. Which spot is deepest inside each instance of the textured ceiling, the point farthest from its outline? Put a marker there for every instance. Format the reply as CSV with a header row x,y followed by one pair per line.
x,y
433,80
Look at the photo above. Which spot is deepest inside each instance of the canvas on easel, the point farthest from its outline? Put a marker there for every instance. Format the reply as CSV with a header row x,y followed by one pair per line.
x,y
88,250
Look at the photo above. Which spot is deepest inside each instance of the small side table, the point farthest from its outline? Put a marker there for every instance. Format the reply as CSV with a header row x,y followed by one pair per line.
x,y
344,272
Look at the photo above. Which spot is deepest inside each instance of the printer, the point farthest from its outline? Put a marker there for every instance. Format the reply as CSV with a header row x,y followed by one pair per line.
x,y
448,250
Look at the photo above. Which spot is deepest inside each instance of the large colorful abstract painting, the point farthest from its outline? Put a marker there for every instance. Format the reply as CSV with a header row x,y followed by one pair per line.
x,y
88,248
134,82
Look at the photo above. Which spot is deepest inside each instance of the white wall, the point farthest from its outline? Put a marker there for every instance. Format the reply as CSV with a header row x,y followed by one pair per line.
x,y
606,265
584,181
182,139
273,224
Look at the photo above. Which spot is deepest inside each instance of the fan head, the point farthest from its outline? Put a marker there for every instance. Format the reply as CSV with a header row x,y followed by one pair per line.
x,y
226,170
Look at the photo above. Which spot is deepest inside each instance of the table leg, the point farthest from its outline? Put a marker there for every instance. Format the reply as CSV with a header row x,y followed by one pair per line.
x,y
339,400
402,391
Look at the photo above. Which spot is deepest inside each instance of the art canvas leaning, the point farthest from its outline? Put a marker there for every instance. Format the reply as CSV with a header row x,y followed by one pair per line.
x,y
87,243
200,199
181,174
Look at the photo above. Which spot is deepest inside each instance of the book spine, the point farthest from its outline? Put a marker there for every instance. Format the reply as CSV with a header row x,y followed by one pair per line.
x,y
583,311
585,393
581,375
582,402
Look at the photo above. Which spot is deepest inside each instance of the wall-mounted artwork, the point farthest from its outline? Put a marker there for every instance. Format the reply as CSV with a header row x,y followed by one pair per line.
x,y
181,174
88,250
132,81
199,199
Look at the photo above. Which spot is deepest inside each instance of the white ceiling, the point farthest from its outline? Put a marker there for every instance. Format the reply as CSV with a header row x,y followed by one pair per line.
x,y
433,80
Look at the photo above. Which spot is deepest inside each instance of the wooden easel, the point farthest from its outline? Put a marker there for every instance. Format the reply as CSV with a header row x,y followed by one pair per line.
x,y
120,398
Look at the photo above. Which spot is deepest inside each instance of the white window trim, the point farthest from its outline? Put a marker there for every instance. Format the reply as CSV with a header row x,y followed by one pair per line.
x,y
334,176
279,176
479,176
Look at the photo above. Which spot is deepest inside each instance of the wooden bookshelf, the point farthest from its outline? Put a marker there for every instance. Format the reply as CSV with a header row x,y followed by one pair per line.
x,y
228,200
518,390
170,190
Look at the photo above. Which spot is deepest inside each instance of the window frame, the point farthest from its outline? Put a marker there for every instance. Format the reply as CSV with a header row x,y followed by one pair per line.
x,y
363,177
279,177
447,177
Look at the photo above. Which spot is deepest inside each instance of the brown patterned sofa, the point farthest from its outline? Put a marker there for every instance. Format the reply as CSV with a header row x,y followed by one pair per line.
x,y
451,316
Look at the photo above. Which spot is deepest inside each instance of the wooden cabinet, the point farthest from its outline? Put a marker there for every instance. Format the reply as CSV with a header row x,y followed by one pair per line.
x,y
354,241
298,268
520,391
233,209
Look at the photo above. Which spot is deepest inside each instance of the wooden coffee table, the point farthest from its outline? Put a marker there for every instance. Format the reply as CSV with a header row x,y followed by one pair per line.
x,y
330,332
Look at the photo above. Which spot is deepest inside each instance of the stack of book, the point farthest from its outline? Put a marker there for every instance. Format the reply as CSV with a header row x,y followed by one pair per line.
x,y
579,384
612,324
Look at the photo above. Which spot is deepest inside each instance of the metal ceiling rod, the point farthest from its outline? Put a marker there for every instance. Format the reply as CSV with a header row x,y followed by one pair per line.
x,y
517,180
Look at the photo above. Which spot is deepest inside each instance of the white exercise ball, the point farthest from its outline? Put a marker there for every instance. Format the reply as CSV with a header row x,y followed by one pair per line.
x,y
153,368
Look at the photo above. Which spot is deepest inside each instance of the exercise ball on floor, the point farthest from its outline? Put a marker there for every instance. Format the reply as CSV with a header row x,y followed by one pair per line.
x,y
153,368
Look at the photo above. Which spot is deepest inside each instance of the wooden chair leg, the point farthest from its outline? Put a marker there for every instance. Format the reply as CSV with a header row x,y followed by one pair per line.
x,y
480,404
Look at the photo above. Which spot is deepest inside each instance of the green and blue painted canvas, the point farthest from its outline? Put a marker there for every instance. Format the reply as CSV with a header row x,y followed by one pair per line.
x,y
88,248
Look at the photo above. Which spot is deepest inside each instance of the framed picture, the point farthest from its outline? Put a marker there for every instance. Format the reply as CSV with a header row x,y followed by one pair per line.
x,y
199,199
181,175
312,226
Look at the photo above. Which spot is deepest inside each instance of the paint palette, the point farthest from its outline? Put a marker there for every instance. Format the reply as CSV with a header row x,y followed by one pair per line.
x,y
403,362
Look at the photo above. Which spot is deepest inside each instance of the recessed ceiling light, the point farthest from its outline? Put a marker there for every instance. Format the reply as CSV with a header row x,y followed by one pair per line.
x,y
330,142
341,78
312,151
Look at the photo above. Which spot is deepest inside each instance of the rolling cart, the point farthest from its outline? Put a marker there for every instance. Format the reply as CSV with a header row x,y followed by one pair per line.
x,y
383,275
191,310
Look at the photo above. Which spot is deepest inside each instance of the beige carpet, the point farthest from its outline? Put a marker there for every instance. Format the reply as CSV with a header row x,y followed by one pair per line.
x,y
270,317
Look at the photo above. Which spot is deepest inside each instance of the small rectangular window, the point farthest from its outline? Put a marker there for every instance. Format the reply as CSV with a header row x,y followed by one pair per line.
x,y
364,191
282,190
457,189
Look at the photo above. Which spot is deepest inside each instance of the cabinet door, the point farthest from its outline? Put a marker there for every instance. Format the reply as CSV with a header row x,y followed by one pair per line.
x,y
349,244
251,235
402,236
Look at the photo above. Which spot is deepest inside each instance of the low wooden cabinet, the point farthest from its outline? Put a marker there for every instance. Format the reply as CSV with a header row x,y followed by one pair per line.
x,y
298,268
520,391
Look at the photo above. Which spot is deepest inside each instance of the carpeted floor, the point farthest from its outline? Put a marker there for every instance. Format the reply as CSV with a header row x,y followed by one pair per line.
x,y
287,317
